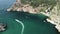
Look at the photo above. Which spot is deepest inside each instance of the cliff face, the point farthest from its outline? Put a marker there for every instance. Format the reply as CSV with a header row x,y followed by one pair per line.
x,y
32,6
55,15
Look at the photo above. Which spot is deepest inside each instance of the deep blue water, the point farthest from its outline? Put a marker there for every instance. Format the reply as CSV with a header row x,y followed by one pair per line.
x,y
6,3
34,23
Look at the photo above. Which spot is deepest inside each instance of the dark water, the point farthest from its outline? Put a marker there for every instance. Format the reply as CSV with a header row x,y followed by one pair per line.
x,y
34,24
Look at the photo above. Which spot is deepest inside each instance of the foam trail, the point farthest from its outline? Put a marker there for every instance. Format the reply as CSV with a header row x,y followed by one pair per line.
x,y
21,24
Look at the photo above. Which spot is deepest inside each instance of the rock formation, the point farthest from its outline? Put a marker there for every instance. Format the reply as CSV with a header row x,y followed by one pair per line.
x,y
2,27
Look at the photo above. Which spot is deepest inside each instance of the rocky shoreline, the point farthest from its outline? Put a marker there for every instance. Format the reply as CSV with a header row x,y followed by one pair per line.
x,y
18,6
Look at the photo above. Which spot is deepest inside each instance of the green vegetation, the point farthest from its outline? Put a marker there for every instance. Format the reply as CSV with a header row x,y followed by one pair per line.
x,y
36,3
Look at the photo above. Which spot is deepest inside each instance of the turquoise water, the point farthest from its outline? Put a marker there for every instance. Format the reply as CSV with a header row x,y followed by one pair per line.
x,y
33,24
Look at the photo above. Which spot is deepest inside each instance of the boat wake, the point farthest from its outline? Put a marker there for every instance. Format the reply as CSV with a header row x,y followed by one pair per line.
x,y
21,24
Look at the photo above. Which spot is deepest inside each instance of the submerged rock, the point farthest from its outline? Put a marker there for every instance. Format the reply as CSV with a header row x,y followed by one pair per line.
x,y
2,27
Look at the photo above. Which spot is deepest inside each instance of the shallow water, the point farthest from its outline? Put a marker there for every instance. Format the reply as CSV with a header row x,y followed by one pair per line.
x,y
33,24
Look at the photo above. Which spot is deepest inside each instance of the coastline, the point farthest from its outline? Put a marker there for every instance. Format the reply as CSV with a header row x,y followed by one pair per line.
x,y
18,6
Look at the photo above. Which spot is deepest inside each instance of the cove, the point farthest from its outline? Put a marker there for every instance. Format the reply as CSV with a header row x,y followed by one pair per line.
x,y
33,23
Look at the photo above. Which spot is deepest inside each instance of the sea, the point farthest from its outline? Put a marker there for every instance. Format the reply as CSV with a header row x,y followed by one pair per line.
x,y
33,23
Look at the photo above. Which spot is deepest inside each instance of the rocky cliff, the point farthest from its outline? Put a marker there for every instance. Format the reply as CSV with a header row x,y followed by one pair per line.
x,y
32,6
